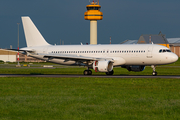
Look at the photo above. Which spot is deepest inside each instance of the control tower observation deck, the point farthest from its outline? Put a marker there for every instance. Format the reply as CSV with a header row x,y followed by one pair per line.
x,y
93,14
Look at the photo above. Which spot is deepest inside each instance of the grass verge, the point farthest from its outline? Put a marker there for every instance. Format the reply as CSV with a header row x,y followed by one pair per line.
x,y
89,98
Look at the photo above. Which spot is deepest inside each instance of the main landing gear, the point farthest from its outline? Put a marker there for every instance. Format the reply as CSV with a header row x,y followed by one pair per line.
x,y
154,73
87,72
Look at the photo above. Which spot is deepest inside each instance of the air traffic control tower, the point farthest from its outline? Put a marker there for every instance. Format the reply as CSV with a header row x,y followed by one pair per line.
x,y
93,14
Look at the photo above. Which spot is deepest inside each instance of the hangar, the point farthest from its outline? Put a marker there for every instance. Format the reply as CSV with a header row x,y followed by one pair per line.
x,y
11,56
159,39
7,55
172,43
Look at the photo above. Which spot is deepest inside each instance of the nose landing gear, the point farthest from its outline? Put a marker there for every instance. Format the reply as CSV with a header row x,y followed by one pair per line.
x,y
154,73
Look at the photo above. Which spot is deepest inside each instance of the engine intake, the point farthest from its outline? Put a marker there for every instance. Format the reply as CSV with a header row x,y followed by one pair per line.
x,y
103,66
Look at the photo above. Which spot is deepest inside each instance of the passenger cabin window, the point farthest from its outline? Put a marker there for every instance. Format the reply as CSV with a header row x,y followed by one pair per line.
x,y
113,51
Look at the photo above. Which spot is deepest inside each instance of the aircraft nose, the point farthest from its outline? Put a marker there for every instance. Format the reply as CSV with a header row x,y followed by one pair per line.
x,y
174,58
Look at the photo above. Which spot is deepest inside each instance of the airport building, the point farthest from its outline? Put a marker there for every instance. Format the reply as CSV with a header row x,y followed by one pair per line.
x,y
11,56
159,39
25,58
172,43
8,56
93,14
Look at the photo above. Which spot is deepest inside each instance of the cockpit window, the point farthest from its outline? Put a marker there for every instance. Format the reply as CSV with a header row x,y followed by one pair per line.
x,y
168,51
164,50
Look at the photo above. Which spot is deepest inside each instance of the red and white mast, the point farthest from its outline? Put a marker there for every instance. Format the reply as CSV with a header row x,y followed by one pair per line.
x,y
18,46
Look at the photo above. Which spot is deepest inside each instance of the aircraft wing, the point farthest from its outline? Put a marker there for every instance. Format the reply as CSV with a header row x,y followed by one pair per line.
x,y
21,50
75,58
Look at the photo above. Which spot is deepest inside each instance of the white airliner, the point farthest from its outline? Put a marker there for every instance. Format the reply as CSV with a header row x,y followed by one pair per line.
x,y
101,58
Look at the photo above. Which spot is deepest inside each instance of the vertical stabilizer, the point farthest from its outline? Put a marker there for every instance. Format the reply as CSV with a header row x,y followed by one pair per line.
x,y
32,34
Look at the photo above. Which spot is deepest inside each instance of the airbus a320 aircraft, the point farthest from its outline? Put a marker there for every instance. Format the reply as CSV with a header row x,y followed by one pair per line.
x,y
101,58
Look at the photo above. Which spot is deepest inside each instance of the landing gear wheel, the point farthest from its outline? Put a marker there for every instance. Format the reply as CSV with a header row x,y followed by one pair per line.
x,y
110,73
87,72
154,73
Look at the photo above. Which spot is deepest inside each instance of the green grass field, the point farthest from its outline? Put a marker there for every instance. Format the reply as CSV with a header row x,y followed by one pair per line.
x,y
89,98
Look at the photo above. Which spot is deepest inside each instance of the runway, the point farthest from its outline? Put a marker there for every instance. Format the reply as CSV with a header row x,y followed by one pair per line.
x,y
89,76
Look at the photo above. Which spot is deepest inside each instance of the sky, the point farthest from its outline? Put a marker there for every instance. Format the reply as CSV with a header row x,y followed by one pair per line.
x,y
64,20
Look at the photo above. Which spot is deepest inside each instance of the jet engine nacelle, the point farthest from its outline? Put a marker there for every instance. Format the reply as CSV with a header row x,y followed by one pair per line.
x,y
103,66
135,68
